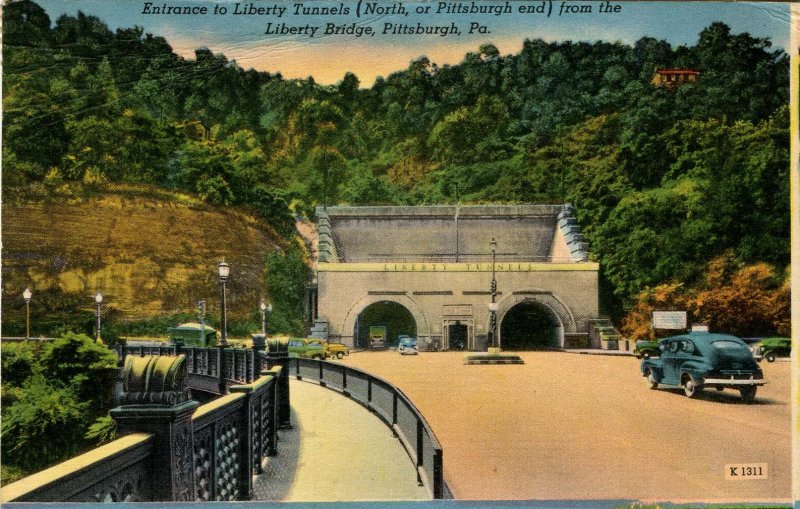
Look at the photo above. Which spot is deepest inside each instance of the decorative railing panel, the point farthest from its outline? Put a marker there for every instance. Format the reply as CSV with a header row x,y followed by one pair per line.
x,y
116,472
309,370
218,451
431,467
383,400
407,424
359,386
391,405
237,365
334,375
142,350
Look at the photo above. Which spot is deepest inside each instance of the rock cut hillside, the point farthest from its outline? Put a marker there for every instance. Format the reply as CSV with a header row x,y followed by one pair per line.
x,y
148,251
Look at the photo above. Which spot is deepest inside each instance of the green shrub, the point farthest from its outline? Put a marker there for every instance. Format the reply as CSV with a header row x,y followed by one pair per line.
x,y
45,425
88,367
18,361
50,399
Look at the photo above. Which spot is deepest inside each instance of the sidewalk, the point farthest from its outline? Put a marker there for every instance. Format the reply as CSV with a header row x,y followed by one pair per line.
x,y
336,451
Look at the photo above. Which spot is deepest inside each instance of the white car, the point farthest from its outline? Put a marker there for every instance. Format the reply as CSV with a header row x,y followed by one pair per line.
x,y
407,345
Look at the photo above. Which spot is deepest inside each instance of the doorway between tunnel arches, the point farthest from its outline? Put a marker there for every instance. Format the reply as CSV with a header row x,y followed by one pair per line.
x,y
458,334
530,325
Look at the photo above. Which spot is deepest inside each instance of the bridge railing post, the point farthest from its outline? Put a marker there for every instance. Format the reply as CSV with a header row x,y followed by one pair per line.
x,y
272,412
420,450
278,355
160,406
249,458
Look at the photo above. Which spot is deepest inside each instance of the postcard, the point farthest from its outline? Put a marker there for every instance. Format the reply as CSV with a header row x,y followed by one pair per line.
x,y
526,252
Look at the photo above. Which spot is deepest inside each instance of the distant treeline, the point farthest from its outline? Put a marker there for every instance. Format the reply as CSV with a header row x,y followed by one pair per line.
x,y
663,179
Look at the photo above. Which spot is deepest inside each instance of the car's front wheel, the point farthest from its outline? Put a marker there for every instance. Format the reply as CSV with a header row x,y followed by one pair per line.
x,y
749,393
690,387
770,357
339,355
651,380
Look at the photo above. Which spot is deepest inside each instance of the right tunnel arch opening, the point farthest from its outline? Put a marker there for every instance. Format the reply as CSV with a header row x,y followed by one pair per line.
x,y
530,325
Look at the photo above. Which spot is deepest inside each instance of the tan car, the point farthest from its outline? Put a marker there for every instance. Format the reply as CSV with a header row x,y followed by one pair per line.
x,y
337,350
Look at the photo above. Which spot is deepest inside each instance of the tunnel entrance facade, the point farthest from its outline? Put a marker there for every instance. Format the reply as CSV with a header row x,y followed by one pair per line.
x,y
434,264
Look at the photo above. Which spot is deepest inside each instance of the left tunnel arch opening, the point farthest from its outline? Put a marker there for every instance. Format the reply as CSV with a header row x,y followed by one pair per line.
x,y
397,319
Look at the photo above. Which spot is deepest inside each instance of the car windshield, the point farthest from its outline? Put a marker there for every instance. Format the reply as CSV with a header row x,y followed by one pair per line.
x,y
725,344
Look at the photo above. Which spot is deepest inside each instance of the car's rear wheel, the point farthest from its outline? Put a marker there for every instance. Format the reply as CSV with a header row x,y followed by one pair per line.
x,y
340,355
690,386
651,380
749,393
770,357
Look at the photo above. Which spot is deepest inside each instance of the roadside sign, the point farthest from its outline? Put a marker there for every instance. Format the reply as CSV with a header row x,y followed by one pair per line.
x,y
671,320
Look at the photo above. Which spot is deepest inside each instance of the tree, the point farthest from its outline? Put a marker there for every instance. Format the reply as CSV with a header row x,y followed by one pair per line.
x,y
52,399
750,300
89,368
285,281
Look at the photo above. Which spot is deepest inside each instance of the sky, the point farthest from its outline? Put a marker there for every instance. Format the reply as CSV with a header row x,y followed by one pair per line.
x,y
327,58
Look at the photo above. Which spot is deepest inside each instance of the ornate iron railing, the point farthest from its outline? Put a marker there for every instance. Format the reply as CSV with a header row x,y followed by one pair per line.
x,y
232,437
178,452
237,365
116,472
390,405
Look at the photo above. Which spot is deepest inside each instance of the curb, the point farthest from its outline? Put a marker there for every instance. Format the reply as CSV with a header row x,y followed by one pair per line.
x,y
609,353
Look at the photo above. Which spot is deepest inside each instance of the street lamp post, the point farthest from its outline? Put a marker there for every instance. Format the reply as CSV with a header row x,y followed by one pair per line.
x,y
493,304
98,301
265,308
224,270
201,317
27,294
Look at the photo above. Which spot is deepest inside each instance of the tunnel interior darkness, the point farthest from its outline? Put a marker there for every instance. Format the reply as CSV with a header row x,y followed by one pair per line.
x,y
529,326
395,317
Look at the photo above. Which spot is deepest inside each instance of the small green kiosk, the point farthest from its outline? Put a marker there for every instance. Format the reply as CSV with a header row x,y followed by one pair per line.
x,y
193,334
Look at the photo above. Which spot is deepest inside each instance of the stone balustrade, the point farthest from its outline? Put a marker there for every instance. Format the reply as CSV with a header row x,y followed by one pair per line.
x,y
171,448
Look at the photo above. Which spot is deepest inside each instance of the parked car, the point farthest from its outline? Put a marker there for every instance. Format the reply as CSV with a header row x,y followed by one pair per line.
x,y
770,348
697,360
337,350
307,348
407,345
646,349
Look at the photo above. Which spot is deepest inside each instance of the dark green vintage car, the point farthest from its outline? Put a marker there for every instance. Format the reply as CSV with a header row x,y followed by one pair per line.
x,y
646,349
307,348
770,348
697,360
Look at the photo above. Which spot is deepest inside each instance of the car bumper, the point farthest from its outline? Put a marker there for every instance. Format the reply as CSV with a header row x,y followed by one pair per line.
x,y
734,381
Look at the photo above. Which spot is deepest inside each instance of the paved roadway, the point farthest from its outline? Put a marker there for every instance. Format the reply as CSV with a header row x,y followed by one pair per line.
x,y
336,451
567,426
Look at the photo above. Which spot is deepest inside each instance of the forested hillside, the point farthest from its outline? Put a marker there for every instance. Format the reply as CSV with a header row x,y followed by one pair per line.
x,y
663,180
